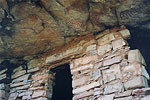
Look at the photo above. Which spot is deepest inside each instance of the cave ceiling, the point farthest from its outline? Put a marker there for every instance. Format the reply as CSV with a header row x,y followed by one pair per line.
x,y
31,27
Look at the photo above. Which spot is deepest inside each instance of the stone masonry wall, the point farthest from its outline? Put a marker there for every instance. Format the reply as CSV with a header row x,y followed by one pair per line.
x,y
4,91
112,72
31,84
4,83
103,68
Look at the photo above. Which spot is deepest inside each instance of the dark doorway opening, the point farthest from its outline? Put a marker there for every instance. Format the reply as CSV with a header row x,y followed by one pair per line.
x,y
140,39
62,90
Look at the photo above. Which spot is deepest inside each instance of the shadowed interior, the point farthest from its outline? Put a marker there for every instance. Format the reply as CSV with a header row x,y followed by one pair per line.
x,y
62,89
140,39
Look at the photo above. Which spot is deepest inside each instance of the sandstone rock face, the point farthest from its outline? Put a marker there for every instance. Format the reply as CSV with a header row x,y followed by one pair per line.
x,y
34,26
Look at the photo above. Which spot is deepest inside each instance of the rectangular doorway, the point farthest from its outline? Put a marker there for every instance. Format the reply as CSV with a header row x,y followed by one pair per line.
x,y
62,90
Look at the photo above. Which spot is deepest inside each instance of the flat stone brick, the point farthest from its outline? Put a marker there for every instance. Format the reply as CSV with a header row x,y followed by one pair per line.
x,y
118,44
36,88
104,68
141,92
91,48
135,55
84,60
40,77
3,94
90,42
137,82
106,39
39,82
124,62
86,87
4,87
123,94
33,70
98,65
93,52
13,96
17,74
80,81
83,95
17,84
3,76
26,98
112,73
38,93
21,78
71,65
96,74
98,91
145,98
49,94
127,98
3,71
107,97
133,70
145,73
41,98
112,61
125,33
18,69
82,73
23,87
104,49
114,87
118,36
80,68
26,93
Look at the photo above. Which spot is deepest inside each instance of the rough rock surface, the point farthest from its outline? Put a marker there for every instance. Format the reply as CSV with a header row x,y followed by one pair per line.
x,y
29,27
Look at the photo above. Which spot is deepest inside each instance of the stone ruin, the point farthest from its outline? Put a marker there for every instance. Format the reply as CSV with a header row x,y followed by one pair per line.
x,y
87,40
103,67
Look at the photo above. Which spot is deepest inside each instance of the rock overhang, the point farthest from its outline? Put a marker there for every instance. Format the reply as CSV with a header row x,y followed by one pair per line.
x,y
32,27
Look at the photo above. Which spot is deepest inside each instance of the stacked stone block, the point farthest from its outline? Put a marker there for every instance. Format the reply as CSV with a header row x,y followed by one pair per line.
x,y
20,84
4,84
4,91
42,85
3,74
30,83
113,73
